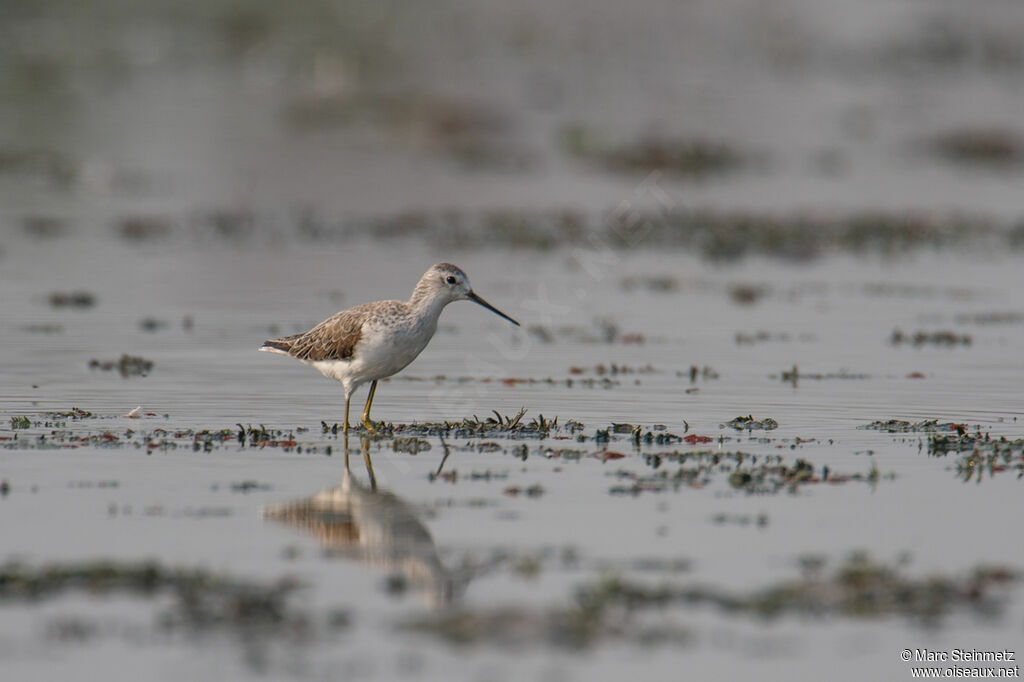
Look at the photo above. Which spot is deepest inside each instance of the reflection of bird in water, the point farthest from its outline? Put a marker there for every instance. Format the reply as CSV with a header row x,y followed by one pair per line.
x,y
372,341
376,527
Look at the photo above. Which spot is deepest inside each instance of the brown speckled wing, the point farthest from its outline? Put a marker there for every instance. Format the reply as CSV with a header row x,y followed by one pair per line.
x,y
333,339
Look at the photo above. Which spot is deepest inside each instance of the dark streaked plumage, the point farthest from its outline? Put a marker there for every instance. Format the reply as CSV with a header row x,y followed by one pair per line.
x,y
333,339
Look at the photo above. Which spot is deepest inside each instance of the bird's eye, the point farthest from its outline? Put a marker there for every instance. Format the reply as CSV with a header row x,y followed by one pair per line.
x,y
451,279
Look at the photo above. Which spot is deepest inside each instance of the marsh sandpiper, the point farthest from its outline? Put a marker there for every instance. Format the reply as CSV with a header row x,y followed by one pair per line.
x,y
372,341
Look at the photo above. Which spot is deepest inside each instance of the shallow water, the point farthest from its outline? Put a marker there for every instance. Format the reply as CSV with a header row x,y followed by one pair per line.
x,y
179,506
211,200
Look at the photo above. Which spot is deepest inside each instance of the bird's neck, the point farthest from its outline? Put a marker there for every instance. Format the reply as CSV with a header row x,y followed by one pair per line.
x,y
425,306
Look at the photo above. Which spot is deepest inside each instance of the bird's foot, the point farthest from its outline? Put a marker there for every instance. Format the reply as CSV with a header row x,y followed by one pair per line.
x,y
369,425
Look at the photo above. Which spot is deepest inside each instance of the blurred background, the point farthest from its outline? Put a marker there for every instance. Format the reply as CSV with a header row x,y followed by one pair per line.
x,y
233,118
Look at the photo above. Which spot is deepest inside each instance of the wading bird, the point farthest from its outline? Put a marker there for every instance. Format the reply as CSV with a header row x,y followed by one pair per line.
x,y
372,341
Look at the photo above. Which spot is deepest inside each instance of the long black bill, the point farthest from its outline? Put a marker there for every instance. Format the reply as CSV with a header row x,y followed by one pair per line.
x,y
476,299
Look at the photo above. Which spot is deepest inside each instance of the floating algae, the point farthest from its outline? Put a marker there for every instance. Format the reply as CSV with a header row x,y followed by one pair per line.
x,y
612,608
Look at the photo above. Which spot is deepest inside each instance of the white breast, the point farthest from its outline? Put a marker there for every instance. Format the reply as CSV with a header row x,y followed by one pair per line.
x,y
387,350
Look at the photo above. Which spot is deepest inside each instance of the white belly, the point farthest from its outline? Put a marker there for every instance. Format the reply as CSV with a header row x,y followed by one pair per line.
x,y
380,353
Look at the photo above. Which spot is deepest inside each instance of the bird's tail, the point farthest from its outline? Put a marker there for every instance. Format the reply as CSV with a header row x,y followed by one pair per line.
x,y
282,345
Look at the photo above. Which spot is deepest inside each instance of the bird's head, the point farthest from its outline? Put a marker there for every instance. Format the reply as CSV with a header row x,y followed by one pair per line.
x,y
449,283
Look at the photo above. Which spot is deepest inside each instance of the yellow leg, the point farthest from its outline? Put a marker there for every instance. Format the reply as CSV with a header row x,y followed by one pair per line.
x,y
366,410
348,399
